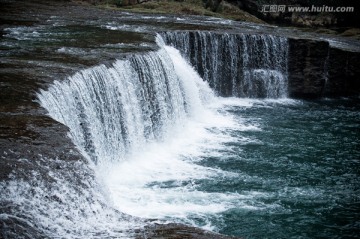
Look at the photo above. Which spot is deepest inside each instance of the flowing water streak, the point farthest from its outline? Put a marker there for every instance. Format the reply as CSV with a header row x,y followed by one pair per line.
x,y
240,65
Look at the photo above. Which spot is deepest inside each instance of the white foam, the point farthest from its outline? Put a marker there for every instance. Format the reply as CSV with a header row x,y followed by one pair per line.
x,y
114,26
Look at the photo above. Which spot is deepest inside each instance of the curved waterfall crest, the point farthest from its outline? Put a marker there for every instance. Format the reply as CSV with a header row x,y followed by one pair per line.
x,y
113,111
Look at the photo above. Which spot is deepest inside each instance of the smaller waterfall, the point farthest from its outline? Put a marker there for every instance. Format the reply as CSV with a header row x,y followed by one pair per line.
x,y
239,65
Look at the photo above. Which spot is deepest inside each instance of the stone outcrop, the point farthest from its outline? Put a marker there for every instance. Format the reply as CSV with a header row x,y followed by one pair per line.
x,y
343,73
306,67
317,69
178,231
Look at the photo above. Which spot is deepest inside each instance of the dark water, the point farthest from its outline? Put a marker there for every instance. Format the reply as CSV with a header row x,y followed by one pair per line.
x,y
303,164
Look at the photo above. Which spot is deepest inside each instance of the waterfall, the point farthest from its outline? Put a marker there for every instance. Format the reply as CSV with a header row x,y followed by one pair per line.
x,y
240,65
113,111
142,121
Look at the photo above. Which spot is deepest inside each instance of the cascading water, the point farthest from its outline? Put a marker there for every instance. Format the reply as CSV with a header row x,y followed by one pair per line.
x,y
113,111
240,65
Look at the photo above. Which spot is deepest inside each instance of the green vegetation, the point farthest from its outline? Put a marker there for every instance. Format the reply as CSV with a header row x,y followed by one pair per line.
x,y
212,8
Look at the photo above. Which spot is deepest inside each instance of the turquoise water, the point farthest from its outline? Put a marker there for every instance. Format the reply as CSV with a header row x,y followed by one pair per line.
x,y
303,164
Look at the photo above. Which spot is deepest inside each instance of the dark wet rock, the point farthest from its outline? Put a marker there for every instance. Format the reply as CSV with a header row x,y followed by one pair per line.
x,y
178,231
306,67
343,73
317,69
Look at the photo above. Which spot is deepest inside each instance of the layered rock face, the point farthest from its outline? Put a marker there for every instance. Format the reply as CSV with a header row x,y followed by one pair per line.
x,y
307,67
317,69
343,73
